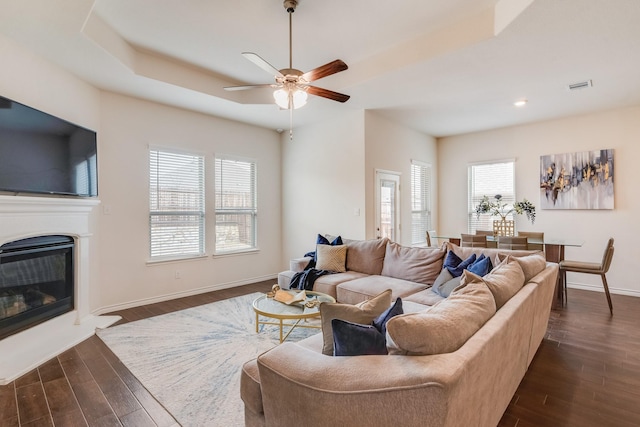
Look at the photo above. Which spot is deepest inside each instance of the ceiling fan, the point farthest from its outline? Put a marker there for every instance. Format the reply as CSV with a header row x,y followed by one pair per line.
x,y
292,85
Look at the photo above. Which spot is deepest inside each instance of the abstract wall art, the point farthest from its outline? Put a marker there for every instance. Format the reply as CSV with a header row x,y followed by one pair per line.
x,y
582,180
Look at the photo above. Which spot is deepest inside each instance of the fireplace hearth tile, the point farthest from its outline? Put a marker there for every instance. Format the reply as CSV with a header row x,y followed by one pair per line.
x,y
32,347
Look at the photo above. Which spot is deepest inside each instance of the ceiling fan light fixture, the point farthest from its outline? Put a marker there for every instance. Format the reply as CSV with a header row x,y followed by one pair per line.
x,y
292,85
298,98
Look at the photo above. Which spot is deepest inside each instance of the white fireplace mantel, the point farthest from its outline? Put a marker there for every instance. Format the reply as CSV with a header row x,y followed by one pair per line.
x,y
27,216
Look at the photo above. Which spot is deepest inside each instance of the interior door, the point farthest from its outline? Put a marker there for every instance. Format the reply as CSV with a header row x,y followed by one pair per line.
x,y
387,205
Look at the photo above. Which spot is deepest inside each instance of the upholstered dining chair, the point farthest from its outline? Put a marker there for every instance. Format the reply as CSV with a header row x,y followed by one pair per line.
x,y
473,241
533,235
589,268
492,244
511,242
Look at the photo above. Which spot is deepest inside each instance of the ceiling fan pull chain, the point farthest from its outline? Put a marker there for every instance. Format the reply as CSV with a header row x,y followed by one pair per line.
x,y
290,124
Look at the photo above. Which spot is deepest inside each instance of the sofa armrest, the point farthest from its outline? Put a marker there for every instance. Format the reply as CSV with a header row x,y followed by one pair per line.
x,y
251,394
384,385
299,264
250,387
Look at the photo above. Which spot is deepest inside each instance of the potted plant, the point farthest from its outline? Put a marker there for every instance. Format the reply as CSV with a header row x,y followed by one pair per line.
x,y
499,208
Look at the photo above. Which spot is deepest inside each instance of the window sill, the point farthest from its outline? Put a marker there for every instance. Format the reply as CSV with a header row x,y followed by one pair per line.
x,y
176,259
236,253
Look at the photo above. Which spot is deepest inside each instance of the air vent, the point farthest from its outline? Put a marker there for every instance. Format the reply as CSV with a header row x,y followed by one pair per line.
x,y
580,85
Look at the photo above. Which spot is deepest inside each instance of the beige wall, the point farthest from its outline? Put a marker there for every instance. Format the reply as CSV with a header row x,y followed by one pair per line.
x,y
391,147
329,172
323,183
617,129
129,126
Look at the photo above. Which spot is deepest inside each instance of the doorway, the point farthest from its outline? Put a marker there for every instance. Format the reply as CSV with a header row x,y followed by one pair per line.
x,y
388,205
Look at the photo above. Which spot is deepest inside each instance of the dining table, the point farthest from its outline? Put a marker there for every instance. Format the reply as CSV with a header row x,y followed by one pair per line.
x,y
553,247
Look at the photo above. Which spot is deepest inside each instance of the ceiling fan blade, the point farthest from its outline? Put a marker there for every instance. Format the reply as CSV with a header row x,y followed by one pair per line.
x,y
249,87
324,70
256,59
326,93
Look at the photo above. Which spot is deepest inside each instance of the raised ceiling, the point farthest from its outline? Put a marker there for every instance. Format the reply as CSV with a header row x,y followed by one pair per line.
x,y
442,67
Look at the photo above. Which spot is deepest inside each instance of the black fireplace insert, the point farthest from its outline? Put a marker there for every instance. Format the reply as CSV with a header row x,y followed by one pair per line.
x,y
36,281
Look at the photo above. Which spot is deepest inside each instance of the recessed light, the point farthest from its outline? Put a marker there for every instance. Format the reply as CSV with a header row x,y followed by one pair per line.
x,y
520,103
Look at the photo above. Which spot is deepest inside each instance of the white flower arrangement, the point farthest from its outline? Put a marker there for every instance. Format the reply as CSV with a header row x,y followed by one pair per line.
x,y
501,209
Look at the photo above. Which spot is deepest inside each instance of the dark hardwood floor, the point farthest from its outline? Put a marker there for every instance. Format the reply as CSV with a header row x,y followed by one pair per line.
x,y
586,373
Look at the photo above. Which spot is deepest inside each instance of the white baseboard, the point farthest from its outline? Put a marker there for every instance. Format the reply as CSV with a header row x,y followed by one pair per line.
x,y
182,294
599,288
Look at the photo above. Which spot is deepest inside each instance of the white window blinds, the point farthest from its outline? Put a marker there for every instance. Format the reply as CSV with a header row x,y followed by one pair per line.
x,y
420,201
236,205
84,174
176,196
490,179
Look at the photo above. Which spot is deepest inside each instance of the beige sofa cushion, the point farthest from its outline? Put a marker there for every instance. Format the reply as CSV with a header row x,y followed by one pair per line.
x,y
332,258
531,265
446,326
365,256
504,281
327,284
425,297
359,290
420,265
363,313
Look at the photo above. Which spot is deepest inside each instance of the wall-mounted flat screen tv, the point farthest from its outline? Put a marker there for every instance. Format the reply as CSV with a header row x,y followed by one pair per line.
x,y
40,153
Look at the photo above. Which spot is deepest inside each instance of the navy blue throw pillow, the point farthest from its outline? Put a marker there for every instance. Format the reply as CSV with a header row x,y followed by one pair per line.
x,y
321,240
380,322
452,260
457,270
352,339
481,266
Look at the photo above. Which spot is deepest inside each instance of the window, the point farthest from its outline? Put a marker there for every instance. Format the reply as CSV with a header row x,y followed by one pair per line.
x,y
489,179
420,201
236,205
84,175
176,196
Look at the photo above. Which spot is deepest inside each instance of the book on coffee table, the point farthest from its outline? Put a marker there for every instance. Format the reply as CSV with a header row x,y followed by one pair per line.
x,y
290,297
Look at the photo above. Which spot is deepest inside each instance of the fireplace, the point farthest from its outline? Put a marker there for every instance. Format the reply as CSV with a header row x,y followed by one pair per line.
x,y
64,227
36,281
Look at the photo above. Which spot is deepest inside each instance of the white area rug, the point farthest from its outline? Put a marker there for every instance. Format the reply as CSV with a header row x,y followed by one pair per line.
x,y
191,360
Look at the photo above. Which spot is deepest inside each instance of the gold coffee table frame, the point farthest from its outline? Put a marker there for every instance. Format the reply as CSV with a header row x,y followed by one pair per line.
x,y
268,307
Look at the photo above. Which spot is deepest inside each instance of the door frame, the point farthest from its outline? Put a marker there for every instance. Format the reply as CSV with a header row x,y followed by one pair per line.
x,y
378,175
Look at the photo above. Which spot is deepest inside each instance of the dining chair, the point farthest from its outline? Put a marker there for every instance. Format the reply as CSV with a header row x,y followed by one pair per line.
x,y
473,241
512,242
533,235
490,244
431,240
589,268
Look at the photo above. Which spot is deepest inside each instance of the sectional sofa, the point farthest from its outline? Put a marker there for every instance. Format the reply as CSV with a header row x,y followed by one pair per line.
x,y
453,361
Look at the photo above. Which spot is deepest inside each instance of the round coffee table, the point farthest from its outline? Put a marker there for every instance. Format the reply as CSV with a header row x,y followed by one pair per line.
x,y
268,307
